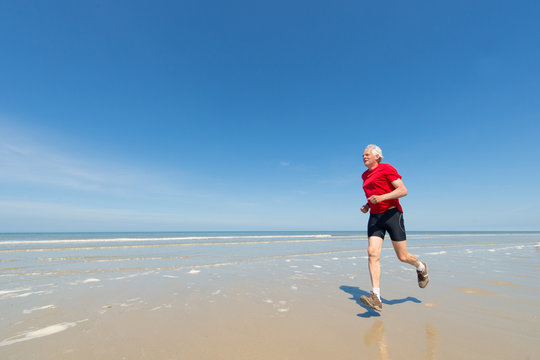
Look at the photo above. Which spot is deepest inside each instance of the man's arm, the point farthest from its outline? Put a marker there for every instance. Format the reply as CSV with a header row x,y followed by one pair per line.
x,y
399,192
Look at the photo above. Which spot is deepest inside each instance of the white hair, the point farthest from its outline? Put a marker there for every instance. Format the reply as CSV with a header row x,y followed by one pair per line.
x,y
375,150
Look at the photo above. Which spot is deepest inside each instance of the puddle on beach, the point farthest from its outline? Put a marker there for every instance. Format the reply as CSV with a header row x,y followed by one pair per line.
x,y
473,291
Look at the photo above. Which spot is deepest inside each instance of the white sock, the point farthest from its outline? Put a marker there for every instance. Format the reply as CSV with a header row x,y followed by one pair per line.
x,y
421,267
377,291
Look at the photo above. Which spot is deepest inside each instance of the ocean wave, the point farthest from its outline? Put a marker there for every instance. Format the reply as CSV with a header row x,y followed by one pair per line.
x,y
157,239
179,244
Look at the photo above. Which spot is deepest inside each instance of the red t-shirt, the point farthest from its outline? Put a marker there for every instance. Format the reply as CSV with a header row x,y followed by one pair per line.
x,y
379,182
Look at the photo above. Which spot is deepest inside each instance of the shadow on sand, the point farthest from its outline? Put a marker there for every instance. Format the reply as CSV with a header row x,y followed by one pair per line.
x,y
356,292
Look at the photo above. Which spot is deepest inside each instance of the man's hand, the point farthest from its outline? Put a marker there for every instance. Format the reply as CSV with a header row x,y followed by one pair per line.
x,y
365,208
375,199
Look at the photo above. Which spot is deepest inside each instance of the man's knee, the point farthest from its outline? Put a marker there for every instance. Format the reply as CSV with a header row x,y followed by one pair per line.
x,y
374,254
403,257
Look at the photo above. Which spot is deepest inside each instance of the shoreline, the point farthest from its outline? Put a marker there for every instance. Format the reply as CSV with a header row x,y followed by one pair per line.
x,y
481,303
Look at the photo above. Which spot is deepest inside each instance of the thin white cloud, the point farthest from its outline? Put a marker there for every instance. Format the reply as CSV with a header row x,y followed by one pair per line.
x,y
29,216
66,211
24,161
46,216
89,188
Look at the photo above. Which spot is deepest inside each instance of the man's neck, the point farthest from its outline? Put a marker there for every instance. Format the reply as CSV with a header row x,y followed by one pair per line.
x,y
371,168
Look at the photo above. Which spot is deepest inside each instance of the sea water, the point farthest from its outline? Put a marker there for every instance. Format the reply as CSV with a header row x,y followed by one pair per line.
x,y
29,257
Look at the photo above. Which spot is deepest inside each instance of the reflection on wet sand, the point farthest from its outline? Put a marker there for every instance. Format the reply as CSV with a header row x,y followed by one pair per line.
x,y
376,334
432,337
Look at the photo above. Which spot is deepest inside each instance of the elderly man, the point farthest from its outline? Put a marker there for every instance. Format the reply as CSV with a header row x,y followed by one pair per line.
x,y
383,188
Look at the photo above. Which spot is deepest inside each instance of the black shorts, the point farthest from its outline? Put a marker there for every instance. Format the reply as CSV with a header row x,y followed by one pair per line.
x,y
391,221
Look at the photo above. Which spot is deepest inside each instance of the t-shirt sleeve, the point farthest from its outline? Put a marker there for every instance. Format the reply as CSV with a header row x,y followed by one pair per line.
x,y
391,173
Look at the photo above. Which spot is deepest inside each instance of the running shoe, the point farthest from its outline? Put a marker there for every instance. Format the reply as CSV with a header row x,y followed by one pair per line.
x,y
372,301
423,277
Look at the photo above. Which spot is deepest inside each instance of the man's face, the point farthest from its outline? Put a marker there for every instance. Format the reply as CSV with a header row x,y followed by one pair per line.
x,y
369,158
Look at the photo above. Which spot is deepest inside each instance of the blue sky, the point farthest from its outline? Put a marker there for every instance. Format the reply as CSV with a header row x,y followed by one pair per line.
x,y
253,115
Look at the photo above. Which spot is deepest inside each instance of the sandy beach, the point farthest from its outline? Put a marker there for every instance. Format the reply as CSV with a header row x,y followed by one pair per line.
x,y
482,302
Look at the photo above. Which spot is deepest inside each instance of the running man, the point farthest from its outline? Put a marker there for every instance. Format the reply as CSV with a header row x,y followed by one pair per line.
x,y
383,188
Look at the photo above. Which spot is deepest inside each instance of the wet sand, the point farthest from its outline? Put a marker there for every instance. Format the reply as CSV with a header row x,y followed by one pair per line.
x,y
480,304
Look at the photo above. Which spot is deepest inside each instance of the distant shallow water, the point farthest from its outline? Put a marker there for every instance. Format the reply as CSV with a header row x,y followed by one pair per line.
x,y
26,256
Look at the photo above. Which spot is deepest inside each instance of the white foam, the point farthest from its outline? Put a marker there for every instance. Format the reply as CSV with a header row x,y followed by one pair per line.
x,y
29,311
35,334
317,266
194,271
91,280
437,253
150,239
515,247
6,294
26,294
134,275
407,268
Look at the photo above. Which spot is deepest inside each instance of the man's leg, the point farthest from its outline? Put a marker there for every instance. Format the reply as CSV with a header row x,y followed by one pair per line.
x,y
374,262
400,247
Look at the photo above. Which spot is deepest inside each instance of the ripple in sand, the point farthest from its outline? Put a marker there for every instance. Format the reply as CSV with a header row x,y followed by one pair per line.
x,y
473,291
501,283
